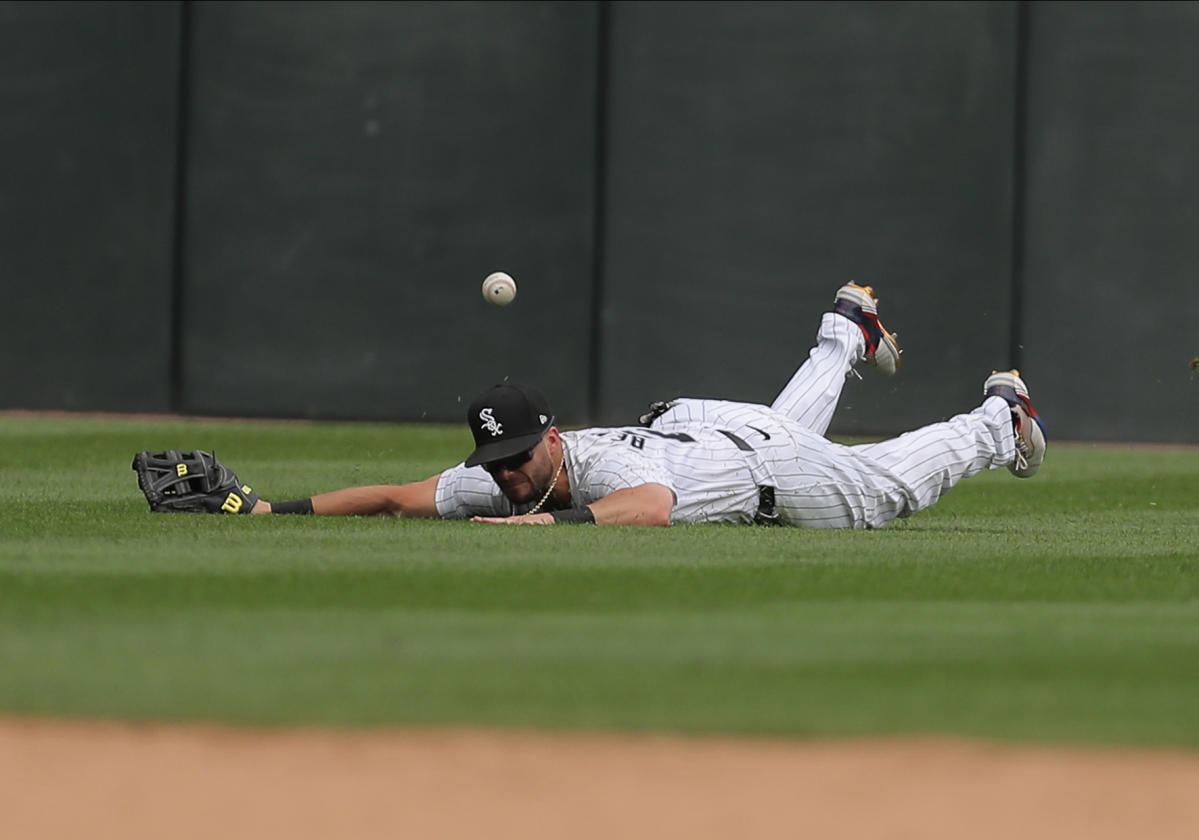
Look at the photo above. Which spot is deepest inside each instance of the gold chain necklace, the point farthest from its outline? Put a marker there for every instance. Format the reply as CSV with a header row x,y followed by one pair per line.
x,y
553,482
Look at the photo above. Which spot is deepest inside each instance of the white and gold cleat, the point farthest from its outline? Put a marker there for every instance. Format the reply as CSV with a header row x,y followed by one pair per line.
x,y
858,304
1030,430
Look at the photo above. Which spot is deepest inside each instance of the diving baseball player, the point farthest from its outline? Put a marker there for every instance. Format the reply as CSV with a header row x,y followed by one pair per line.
x,y
691,460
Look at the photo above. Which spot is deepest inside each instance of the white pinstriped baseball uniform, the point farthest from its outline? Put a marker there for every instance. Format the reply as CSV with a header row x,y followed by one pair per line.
x,y
715,455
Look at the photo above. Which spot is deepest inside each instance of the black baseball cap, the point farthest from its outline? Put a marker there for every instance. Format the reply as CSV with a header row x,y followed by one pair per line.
x,y
507,419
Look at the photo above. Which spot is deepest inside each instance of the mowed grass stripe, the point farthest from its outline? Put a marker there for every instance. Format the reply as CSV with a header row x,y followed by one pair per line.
x,y
1015,670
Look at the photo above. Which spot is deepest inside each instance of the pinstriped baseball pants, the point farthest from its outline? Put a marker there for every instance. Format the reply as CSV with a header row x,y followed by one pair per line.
x,y
896,477
821,484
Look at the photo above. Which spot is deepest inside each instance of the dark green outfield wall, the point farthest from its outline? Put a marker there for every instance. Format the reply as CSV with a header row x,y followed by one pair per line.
x,y
88,142
354,172
286,209
1112,276
763,154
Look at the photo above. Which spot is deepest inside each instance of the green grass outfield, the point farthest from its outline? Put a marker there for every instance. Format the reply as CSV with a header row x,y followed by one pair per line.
x,y
1064,608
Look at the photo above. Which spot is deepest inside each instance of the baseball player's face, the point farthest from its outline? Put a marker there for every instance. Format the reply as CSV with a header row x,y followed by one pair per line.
x,y
528,481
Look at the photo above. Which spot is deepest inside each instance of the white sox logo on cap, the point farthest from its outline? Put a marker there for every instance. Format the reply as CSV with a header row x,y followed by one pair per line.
x,y
490,423
505,420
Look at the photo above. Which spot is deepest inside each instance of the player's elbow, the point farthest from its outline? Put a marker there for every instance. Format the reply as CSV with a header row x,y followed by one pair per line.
x,y
656,510
643,517
657,518
411,501
394,504
645,505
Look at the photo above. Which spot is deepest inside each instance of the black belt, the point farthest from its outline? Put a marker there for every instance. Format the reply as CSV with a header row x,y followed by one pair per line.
x,y
766,514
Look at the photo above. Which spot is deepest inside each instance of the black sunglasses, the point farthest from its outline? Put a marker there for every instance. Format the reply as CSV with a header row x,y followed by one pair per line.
x,y
511,462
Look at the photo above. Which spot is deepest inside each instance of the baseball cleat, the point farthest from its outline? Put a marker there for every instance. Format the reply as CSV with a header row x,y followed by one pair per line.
x,y
1030,431
858,304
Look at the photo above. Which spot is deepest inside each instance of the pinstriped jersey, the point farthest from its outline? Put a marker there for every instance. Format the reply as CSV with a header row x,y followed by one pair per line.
x,y
707,471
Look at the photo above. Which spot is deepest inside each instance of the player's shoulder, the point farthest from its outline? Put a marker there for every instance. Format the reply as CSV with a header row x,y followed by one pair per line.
x,y
463,491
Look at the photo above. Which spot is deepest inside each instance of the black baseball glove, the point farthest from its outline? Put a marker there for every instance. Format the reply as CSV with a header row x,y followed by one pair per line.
x,y
190,482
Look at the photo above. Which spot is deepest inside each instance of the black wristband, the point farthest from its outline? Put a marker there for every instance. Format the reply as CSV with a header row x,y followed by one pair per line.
x,y
300,506
574,516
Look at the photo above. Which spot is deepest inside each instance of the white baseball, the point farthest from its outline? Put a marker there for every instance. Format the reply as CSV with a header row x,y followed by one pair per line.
x,y
499,288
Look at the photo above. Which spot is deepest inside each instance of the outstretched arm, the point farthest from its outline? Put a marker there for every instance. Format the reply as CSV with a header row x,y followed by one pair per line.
x,y
645,504
413,501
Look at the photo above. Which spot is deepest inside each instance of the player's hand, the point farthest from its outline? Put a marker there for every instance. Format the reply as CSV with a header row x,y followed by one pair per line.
x,y
523,519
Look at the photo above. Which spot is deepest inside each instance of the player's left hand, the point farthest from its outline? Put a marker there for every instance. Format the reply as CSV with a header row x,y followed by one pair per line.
x,y
190,482
523,519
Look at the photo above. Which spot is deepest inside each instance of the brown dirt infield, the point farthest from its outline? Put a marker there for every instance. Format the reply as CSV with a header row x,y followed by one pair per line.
x,y
130,781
